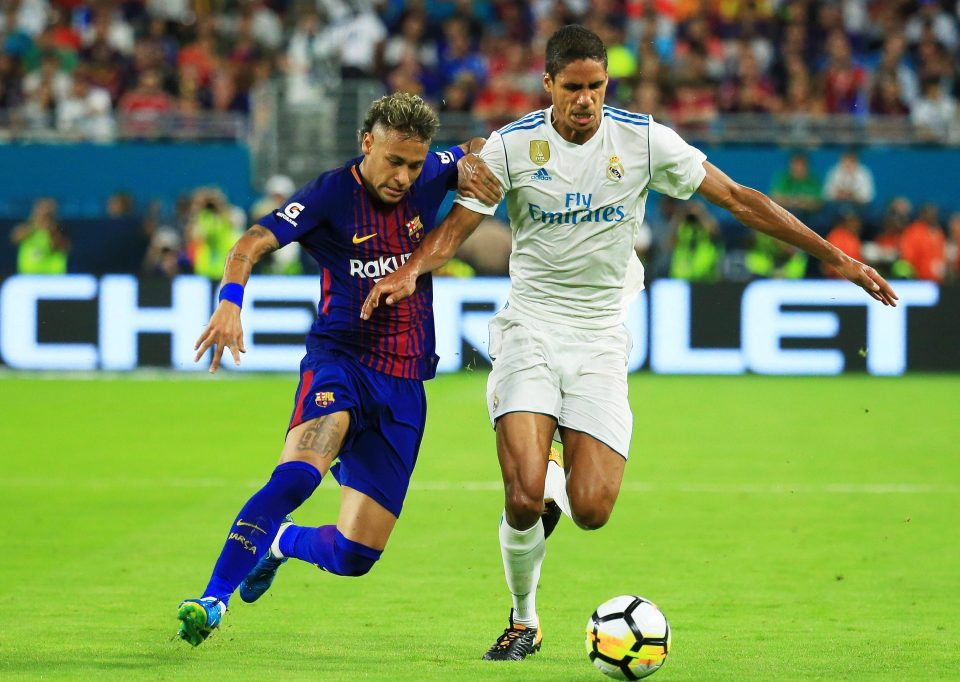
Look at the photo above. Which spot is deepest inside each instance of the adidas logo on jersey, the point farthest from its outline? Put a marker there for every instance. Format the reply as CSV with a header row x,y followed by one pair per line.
x,y
542,174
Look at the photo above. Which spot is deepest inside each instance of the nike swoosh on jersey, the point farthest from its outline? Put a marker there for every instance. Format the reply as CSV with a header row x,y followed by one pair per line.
x,y
360,240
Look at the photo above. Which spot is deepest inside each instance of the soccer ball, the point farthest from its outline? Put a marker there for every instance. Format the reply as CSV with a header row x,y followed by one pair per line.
x,y
628,638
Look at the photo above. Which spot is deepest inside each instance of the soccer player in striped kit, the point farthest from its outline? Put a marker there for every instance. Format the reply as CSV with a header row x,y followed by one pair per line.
x,y
361,394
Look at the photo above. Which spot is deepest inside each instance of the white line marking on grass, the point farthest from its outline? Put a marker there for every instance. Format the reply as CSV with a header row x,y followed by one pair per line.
x,y
14,482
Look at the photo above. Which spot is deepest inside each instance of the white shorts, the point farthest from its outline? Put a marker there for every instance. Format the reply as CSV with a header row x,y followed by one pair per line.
x,y
578,376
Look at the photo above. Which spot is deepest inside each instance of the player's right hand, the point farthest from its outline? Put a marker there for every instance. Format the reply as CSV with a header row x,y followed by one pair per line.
x,y
223,331
395,287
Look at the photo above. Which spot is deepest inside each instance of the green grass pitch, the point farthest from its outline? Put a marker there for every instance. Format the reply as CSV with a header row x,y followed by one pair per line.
x,y
789,528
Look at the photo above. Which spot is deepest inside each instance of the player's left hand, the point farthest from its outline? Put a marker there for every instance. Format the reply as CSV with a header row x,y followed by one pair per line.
x,y
395,287
476,181
869,280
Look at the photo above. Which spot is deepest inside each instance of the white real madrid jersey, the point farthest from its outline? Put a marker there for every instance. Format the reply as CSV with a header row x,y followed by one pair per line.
x,y
575,210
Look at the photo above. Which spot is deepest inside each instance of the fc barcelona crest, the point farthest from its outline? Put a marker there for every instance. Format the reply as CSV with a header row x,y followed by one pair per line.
x,y
539,151
324,398
615,169
415,229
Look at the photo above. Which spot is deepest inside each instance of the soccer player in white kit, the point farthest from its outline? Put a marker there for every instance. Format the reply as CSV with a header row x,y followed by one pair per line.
x,y
576,177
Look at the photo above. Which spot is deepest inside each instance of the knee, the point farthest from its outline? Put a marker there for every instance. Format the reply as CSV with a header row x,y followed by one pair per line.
x,y
353,565
524,505
353,559
590,512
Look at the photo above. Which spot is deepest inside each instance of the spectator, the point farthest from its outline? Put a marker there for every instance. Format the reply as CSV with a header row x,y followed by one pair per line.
x,y
86,113
849,183
458,58
844,81
163,258
49,74
932,16
411,42
923,246
769,257
697,248
11,93
143,106
121,205
846,237
893,66
354,39
797,189
211,232
886,98
954,246
201,54
934,112
42,246
277,189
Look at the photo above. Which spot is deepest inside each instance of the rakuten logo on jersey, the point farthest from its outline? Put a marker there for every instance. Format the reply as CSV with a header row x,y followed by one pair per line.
x,y
578,208
291,212
375,269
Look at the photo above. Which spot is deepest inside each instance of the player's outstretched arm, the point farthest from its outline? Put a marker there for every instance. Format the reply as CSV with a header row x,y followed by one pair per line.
x,y
759,212
224,329
437,248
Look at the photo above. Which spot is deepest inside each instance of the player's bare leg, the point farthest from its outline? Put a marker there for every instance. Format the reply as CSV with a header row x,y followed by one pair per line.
x,y
523,441
316,442
245,560
350,548
594,474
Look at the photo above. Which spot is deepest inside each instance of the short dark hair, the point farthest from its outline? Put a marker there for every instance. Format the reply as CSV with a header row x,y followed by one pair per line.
x,y
572,43
404,112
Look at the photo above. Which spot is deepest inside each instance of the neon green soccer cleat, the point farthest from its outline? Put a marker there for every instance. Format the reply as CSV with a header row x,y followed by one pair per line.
x,y
198,618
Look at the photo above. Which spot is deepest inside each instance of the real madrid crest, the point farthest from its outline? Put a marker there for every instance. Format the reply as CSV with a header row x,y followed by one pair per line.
x,y
539,151
615,169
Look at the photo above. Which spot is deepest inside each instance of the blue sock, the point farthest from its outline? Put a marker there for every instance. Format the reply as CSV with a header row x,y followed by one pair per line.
x,y
329,549
256,525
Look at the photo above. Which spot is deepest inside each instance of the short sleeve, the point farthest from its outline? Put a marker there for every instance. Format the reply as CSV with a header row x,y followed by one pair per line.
x,y
494,154
441,166
302,213
676,168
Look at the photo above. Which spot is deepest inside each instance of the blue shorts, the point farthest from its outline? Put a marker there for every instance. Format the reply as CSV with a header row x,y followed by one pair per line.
x,y
387,416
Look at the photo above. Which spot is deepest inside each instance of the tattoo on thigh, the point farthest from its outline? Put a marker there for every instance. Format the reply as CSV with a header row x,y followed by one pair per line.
x,y
323,437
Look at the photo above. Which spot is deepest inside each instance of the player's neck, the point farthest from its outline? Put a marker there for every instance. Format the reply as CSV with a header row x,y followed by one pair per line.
x,y
371,192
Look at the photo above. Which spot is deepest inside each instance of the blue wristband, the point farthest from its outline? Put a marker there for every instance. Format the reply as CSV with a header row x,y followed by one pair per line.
x,y
232,292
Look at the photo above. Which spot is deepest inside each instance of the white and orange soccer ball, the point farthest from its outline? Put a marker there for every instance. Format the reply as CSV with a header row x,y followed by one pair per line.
x,y
628,638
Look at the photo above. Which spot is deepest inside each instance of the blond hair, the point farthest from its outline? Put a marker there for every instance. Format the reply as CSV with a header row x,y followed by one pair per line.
x,y
403,112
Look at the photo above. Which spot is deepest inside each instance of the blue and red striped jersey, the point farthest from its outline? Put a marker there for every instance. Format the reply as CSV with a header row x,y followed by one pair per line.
x,y
358,239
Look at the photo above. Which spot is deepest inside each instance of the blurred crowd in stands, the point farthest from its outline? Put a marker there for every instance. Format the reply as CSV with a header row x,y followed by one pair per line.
x,y
80,66
678,239
90,69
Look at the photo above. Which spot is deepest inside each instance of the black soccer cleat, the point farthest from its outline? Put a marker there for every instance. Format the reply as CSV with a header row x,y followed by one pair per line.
x,y
550,517
516,643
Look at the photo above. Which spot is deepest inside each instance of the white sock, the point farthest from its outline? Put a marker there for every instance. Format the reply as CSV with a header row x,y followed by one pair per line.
x,y
523,552
555,487
275,545
221,607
